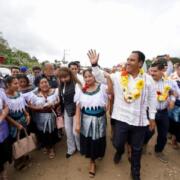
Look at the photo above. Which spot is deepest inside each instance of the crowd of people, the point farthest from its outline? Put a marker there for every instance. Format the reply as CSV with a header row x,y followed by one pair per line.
x,y
53,101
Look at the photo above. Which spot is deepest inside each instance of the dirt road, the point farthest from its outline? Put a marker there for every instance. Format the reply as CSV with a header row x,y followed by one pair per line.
x,y
76,168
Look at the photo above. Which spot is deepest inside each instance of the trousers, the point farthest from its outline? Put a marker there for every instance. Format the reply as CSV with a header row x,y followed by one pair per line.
x,y
73,139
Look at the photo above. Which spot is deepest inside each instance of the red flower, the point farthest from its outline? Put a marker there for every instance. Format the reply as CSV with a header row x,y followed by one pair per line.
x,y
159,93
124,73
86,86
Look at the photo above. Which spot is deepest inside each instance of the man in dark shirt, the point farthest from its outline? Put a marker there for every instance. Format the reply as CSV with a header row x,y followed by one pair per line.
x,y
48,72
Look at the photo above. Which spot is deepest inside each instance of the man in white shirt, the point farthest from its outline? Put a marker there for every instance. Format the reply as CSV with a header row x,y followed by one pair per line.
x,y
129,113
165,90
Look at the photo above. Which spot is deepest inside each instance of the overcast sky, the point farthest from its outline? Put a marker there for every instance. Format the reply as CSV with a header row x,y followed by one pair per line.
x,y
44,28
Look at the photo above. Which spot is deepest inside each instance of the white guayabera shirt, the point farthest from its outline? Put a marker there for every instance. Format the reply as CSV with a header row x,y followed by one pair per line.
x,y
134,113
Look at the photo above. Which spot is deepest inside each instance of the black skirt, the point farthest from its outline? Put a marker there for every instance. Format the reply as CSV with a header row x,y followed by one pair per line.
x,y
5,153
47,140
92,149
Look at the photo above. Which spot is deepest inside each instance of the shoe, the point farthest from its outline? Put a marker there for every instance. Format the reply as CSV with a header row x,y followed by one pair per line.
x,y
68,156
117,158
161,156
135,177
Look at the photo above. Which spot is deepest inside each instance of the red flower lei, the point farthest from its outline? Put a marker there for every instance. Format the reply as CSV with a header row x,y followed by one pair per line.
x,y
124,73
159,93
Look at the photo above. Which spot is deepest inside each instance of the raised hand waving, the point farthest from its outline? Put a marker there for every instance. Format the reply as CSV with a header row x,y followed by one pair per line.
x,y
93,57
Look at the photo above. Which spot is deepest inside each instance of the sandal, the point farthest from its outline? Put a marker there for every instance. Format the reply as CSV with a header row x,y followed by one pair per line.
x,y
92,174
175,146
45,151
51,154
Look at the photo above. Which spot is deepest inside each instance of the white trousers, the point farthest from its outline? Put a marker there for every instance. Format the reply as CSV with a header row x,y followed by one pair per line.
x,y
73,140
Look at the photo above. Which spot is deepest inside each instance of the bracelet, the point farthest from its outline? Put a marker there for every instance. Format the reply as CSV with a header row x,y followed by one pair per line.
x,y
94,65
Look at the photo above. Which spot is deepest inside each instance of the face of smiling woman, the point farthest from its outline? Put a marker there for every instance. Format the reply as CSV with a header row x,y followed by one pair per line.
x,y
89,78
14,85
44,85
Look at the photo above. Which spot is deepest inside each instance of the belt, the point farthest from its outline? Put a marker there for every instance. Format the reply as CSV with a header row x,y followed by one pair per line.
x,y
162,110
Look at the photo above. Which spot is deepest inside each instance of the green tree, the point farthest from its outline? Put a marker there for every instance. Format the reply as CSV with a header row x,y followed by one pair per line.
x,y
15,56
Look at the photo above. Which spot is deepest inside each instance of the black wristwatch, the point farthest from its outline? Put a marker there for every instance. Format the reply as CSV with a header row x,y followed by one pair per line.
x,y
95,65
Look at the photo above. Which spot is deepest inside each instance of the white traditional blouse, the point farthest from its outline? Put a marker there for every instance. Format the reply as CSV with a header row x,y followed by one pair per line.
x,y
29,94
39,100
15,103
98,98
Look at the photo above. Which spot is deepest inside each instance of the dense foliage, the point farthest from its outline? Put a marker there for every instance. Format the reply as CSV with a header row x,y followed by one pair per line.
x,y
15,56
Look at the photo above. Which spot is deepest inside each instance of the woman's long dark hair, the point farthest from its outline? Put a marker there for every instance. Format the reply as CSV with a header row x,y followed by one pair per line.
x,y
23,76
87,70
64,72
8,80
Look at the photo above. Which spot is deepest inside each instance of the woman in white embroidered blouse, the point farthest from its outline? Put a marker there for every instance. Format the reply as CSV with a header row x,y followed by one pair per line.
x,y
91,102
44,104
18,117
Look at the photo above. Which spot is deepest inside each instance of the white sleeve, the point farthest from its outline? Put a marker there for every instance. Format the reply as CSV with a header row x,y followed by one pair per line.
x,y
77,93
176,88
56,96
57,92
1,105
24,100
3,94
99,75
33,99
169,68
152,102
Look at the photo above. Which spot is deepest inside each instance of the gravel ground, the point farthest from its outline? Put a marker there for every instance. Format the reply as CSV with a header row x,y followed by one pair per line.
x,y
76,168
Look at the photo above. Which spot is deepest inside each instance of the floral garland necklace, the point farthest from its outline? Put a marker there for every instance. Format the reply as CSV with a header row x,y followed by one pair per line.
x,y
131,96
162,96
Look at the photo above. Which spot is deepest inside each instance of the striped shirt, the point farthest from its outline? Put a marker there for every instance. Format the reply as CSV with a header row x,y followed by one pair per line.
x,y
159,86
176,79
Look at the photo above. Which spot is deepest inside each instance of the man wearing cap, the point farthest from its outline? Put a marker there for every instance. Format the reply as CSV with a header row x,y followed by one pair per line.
x,y
23,70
